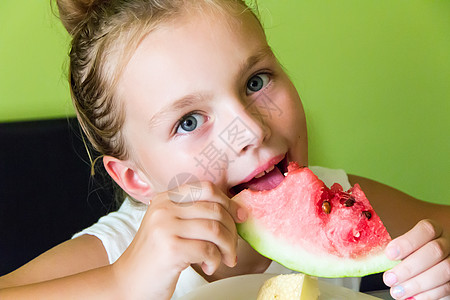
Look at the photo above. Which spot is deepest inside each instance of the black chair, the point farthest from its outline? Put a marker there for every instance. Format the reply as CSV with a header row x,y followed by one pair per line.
x,y
46,191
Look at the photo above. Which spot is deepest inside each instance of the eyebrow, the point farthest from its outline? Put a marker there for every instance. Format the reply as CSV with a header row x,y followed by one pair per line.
x,y
193,99
260,55
180,104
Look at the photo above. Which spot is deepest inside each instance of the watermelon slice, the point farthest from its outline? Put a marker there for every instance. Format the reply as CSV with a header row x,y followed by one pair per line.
x,y
308,227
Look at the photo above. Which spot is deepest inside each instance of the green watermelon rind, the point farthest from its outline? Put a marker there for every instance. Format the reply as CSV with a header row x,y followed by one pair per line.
x,y
329,266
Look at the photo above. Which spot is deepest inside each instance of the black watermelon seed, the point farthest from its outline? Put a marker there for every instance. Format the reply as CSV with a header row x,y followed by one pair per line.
x,y
349,202
367,214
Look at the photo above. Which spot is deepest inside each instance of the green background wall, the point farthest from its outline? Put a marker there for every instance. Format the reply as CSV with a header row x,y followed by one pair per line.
x,y
373,76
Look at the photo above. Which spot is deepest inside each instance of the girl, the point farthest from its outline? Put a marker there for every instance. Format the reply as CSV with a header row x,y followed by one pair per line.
x,y
166,89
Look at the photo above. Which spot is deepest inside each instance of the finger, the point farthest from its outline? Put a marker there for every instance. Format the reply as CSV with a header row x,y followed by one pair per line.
x,y
207,210
429,255
214,232
203,253
211,193
422,233
442,292
430,279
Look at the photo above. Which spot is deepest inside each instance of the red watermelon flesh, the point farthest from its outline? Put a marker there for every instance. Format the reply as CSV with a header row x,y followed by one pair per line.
x,y
308,227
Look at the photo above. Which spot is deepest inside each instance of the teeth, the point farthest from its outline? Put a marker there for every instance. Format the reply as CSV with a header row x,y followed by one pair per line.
x,y
265,172
285,174
270,169
260,174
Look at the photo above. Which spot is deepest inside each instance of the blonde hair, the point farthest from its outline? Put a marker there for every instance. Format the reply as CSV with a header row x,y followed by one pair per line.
x,y
105,34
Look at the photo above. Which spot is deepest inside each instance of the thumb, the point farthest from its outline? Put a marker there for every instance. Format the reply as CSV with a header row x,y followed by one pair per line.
x,y
239,211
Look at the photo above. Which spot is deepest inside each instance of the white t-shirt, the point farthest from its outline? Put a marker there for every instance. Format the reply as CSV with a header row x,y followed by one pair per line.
x,y
117,229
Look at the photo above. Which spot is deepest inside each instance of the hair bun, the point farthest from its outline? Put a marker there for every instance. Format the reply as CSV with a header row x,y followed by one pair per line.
x,y
73,12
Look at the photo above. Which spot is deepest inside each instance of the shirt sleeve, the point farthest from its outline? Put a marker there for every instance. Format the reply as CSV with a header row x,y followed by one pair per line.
x,y
117,229
330,176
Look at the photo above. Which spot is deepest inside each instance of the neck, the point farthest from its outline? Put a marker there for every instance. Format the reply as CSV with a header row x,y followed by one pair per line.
x,y
249,262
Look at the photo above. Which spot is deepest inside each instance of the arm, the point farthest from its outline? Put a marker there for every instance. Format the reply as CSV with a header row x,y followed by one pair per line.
x,y
74,256
93,284
83,256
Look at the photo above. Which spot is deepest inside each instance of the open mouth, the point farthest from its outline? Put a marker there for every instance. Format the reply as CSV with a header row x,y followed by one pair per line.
x,y
266,180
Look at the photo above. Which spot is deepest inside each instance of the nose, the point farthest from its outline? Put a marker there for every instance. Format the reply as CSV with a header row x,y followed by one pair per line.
x,y
246,129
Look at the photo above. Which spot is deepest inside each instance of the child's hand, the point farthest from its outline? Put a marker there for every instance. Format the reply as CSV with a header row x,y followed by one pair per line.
x,y
424,272
175,235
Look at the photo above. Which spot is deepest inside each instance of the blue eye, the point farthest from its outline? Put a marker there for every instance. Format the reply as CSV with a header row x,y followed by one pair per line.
x,y
257,82
190,122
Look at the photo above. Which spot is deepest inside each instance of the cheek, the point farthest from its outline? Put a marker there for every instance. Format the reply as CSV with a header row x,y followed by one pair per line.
x,y
173,167
292,124
293,116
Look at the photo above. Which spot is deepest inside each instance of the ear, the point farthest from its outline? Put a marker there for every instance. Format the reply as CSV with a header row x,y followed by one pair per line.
x,y
128,178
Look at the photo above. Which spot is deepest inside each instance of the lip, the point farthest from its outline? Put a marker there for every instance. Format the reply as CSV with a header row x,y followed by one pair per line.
x,y
272,162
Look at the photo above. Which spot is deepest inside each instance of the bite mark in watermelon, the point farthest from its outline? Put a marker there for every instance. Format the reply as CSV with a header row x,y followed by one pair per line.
x,y
308,227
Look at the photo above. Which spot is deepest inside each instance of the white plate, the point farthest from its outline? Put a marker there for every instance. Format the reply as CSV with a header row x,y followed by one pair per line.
x,y
246,287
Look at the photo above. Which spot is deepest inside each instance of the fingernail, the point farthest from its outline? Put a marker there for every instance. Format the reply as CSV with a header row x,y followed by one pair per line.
x,y
398,291
392,252
390,278
209,270
242,214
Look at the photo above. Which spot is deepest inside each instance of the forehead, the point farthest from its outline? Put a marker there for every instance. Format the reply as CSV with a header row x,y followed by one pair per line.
x,y
190,53
238,29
